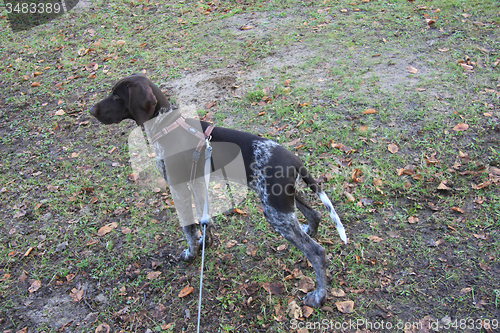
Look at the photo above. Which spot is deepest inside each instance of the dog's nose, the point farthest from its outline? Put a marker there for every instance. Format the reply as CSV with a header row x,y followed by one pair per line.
x,y
93,111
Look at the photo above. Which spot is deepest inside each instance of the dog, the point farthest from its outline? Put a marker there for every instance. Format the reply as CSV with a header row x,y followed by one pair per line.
x,y
268,168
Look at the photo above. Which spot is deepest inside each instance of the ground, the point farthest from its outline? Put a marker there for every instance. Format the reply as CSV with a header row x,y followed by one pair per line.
x,y
393,107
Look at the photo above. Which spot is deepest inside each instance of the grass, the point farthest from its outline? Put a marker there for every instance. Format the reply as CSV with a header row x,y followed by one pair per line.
x,y
62,180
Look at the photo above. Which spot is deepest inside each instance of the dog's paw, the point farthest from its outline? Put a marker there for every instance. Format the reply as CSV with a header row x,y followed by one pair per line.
x,y
315,299
187,256
209,237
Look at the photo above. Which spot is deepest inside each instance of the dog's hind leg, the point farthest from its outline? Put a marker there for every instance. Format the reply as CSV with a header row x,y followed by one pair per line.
x,y
312,216
288,226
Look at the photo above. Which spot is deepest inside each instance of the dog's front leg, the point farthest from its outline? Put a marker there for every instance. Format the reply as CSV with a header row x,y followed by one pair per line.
x,y
182,200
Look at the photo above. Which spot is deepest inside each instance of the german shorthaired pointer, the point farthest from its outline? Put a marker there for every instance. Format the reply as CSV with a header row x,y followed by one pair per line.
x,y
269,169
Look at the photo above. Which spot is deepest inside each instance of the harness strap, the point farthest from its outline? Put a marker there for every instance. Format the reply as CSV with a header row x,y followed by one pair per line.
x,y
181,121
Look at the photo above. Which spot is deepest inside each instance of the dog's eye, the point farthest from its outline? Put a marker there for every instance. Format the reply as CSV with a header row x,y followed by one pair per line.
x,y
115,96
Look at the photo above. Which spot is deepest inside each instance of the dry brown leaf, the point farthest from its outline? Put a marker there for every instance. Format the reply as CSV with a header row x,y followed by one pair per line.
x,y
35,285
120,42
107,228
35,84
442,186
430,22
91,66
76,295
481,185
377,182
337,292
363,128
458,209
251,250
461,127
412,70
282,247
186,291
393,148
247,27
126,230
240,212
412,219
466,67
286,83
375,239
103,328
153,275
294,311
274,288
306,284
349,196
345,307
27,253
370,111
307,311
231,243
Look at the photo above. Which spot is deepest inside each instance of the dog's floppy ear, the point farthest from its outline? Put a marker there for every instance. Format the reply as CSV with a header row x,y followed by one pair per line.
x,y
142,101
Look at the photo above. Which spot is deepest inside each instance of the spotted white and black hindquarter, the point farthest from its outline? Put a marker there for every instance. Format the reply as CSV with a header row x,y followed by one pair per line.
x,y
279,216
279,210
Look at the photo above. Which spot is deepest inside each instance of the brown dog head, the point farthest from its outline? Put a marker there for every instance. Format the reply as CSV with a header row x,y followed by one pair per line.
x,y
130,98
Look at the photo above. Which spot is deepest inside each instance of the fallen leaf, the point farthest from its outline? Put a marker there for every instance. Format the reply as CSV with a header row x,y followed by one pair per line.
x,y
393,148
375,239
337,292
35,84
481,185
35,285
27,253
186,291
465,290
251,250
442,186
458,209
412,70
466,67
370,111
282,247
107,228
345,307
377,182
349,196
103,328
286,83
231,244
91,67
153,275
461,127
412,219
430,22
76,295
363,128
480,236
307,311
246,27
293,310
120,42
306,284
126,231
133,176
240,212
274,288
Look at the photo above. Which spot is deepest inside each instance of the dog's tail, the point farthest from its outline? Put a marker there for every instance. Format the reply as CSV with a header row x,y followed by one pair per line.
x,y
309,180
